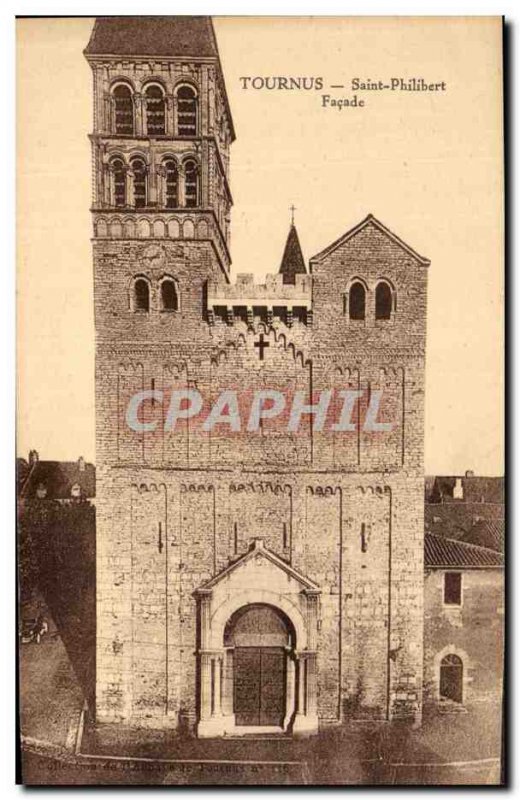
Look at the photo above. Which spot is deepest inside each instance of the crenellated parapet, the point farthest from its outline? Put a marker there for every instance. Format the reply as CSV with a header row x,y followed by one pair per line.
x,y
230,300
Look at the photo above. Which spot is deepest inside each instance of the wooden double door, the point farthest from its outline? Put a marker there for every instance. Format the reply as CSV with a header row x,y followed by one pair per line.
x,y
259,681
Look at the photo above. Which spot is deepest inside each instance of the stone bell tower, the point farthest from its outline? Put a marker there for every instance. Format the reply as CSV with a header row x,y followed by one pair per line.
x,y
162,130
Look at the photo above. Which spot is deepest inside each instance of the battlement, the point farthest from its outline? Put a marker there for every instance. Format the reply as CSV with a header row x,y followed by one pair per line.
x,y
274,293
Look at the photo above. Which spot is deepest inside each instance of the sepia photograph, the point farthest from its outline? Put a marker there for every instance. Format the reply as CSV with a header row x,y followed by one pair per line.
x,y
260,400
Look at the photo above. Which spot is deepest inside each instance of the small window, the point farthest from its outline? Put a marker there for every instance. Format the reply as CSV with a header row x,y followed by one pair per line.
x,y
356,301
119,177
169,299
451,678
453,588
191,184
172,183
155,111
75,490
141,295
383,301
186,111
123,110
139,172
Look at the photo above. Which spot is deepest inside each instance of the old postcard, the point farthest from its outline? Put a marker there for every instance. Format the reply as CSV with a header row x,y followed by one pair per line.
x,y
260,408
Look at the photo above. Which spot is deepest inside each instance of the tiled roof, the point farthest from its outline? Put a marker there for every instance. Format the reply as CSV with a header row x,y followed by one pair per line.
x,y
447,553
454,520
487,533
292,259
153,36
58,477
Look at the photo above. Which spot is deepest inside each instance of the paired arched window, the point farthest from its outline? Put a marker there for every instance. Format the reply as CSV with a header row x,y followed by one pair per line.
x,y
141,299
187,111
139,172
140,294
169,296
383,301
118,168
155,111
357,301
172,183
191,183
123,110
451,678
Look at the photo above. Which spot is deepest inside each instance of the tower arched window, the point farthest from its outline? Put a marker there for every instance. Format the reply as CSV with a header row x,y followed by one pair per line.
x,y
187,111
155,111
357,301
172,183
118,168
191,183
123,110
139,173
141,298
169,295
383,301
451,678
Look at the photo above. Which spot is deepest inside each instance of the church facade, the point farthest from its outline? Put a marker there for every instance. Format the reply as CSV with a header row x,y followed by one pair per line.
x,y
249,577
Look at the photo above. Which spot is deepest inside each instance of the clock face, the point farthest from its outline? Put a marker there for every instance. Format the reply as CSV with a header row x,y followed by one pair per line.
x,y
153,256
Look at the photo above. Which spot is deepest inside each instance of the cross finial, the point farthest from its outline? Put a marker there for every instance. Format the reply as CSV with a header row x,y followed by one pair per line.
x,y
292,209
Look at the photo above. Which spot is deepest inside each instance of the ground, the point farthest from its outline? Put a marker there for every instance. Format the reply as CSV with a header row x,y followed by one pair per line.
x,y
357,753
57,676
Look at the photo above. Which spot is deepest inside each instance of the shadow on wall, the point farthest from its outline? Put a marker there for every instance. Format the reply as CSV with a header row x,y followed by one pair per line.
x,y
64,541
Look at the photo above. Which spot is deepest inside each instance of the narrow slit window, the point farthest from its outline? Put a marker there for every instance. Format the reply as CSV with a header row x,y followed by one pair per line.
x,y
364,542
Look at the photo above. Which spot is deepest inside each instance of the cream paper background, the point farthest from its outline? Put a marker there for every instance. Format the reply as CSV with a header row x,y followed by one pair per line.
x,y
429,166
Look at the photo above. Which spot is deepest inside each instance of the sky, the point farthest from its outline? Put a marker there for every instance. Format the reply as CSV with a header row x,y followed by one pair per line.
x,y
427,164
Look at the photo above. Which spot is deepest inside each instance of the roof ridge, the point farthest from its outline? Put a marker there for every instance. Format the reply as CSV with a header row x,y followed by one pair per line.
x,y
461,542
370,218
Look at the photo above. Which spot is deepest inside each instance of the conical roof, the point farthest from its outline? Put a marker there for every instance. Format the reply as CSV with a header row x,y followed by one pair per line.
x,y
292,259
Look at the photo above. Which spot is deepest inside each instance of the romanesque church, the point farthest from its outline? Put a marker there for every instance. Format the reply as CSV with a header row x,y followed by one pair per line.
x,y
255,580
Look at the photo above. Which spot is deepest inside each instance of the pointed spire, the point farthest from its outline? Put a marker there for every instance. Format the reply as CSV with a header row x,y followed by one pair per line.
x,y
292,259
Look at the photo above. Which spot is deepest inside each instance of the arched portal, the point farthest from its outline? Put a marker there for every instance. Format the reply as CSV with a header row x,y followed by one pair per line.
x,y
257,654
260,638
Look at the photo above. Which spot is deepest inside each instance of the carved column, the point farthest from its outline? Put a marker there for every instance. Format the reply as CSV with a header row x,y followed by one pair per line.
x,y
205,618
227,684
312,618
151,198
182,193
139,115
170,120
205,686
290,700
311,685
217,687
